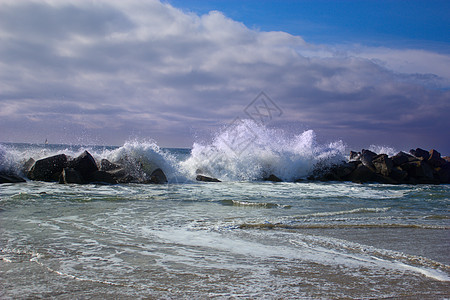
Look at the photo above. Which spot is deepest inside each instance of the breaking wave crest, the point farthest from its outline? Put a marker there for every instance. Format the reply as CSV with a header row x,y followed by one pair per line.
x,y
248,151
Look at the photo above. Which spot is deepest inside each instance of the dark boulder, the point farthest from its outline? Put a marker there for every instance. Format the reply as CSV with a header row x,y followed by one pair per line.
x,y
85,165
419,171
158,177
398,174
354,156
337,172
26,167
102,177
206,178
443,173
48,169
435,159
383,164
272,178
366,158
70,175
363,174
345,169
122,176
401,158
10,178
106,165
420,153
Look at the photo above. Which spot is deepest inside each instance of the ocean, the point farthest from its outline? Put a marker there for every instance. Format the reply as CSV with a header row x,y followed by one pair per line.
x,y
239,238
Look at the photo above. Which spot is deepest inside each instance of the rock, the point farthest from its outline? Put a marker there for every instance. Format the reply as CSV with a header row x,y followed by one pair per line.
x,y
345,169
48,169
446,158
70,175
443,173
10,178
122,176
106,165
85,165
206,178
127,178
435,159
383,164
158,177
420,170
26,167
354,156
363,174
366,158
102,177
336,172
398,174
272,178
401,158
420,153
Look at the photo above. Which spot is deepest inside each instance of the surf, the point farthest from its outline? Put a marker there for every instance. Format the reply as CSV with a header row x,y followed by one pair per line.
x,y
262,151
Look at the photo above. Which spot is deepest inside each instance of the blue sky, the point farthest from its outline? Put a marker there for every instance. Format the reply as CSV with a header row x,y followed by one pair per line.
x,y
418,24
107,71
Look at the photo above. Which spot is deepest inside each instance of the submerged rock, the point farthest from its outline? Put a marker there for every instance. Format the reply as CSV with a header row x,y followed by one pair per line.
x,y
273,178
10,178
158,177
206,178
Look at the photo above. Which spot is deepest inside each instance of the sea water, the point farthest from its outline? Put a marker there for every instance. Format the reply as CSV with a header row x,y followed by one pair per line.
x,y
239,238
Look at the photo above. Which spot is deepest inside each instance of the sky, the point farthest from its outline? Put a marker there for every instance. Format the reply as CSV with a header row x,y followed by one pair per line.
x,y
104,72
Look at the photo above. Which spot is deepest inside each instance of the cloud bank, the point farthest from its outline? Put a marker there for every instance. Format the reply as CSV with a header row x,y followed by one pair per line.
x,y
103,72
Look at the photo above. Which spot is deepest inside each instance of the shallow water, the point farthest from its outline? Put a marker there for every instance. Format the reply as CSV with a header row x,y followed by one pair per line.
x,y
229,239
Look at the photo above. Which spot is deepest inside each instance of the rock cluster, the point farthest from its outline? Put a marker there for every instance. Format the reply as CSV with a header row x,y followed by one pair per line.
x,y
417,167
83,169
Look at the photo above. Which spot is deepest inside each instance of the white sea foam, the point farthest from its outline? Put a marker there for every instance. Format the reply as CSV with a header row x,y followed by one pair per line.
x,y
346,212
383,150
248,151
144,156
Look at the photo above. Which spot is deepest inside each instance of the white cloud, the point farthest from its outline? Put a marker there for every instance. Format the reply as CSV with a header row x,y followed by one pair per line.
x,y
145,66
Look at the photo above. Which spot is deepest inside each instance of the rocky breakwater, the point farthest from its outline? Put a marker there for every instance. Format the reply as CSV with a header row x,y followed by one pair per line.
x,y
416,167
84,169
